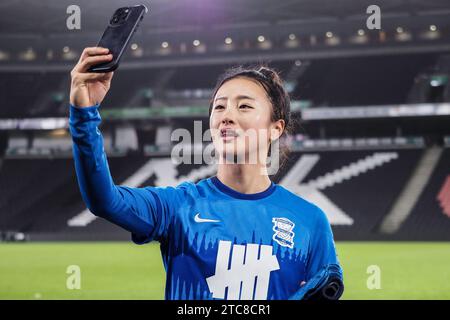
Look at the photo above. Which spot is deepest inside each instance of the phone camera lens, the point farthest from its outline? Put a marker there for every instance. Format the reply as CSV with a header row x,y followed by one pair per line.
x,y
120,15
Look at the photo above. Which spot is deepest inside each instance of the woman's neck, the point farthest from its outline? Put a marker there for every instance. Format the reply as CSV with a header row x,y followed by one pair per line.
x,y
244,178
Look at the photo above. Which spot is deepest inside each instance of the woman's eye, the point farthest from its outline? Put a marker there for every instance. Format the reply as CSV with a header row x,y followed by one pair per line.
x,y
218,107
244,106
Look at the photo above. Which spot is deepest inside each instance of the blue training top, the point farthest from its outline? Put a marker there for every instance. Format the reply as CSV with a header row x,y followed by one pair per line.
x,y
216,243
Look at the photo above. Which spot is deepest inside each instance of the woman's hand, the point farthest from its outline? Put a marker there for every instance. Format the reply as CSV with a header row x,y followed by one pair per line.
x,y
88,88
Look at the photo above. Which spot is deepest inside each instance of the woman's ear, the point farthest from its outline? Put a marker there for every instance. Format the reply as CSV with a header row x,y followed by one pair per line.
x,y
276,129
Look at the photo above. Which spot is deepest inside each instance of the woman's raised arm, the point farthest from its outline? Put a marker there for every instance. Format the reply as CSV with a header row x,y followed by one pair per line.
x,y
137,210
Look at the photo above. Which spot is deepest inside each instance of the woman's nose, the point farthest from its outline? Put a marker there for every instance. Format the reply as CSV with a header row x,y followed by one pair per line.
x,y
227,120
228,116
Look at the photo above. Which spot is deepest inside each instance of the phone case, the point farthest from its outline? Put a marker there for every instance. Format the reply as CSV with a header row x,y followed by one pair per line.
x,y
117,35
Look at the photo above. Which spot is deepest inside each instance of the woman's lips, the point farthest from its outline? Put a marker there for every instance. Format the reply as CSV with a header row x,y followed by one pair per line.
x,y
228,134
229,138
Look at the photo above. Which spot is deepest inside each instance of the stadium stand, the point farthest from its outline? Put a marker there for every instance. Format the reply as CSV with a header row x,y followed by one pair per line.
x,y
46,194
430,219
356,187
44,94
328,82
362,185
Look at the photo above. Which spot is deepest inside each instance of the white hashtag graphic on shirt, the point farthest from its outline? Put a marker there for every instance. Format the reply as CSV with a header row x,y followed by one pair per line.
x,y
245,269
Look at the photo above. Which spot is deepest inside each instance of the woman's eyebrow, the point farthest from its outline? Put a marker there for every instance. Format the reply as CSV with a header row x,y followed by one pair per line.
x,y
240,97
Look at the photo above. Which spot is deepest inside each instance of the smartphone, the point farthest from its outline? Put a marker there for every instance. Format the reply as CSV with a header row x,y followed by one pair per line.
x,y
117,35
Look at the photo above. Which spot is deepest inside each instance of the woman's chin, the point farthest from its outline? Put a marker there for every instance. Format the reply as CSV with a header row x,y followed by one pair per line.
x,y
232,156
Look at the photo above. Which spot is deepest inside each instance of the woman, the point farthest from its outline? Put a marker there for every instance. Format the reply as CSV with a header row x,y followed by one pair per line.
x,y
236,235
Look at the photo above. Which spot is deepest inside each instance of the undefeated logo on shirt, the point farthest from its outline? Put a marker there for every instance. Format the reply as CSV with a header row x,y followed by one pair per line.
x,y
246,269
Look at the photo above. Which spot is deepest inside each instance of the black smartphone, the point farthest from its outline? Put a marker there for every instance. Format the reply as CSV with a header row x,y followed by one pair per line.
x,y
117,35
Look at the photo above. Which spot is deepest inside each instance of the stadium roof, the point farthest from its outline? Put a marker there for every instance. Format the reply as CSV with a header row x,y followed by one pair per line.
x,y
49,17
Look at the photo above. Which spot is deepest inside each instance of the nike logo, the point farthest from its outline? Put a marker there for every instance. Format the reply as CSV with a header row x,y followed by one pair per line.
x,y
198,219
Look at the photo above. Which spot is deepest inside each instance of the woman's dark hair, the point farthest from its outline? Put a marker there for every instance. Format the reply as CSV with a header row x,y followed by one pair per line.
x,y
270,79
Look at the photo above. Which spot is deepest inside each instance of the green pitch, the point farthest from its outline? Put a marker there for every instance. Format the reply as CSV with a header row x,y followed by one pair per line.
x,y
116,270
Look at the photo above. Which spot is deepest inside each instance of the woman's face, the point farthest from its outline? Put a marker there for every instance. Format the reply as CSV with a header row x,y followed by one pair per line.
x,y
240,121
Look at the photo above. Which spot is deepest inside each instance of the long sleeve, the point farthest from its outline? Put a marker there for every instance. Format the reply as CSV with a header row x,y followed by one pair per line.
x,y
137,210
322,249
324,278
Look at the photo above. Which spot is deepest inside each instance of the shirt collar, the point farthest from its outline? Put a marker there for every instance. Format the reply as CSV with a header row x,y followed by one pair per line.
x,y
244,196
